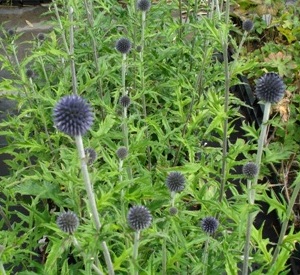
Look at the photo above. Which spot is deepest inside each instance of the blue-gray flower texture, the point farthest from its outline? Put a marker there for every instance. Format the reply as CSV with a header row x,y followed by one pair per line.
x,y
143,5
67,222
175,182
209,225
250,170
73,115
139,217
270,88
123,45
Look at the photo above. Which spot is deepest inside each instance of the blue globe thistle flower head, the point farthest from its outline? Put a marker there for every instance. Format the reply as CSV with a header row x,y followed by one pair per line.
x,y
73,115
175,182
139,217
67,222
123,45
91,155
125,101
209,225
122,152
270,88
143,5
250,170
29,73
173,211
247,25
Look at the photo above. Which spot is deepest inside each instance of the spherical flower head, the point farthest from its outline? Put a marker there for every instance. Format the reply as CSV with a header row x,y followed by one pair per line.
x,y
29,73
139,217
247,25
270,88
41,36
209,225
123,45
250,170
173,211
175,182
67,222
122,152
73,115
125,101
11,32
91,155
143,5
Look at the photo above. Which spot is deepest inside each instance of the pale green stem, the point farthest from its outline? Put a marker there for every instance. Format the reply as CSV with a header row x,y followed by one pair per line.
x,y
251,216
287,219
71,52
205,256
226,106
236,57
136,251
248,229
92,200
142,75
61,28
78,247
90,17
2,270
164,257
173,194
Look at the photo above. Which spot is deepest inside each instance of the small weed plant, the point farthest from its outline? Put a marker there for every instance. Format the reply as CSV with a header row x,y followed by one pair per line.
x,y
130,154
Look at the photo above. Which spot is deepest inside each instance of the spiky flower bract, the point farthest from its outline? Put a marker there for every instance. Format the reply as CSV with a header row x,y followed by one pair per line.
x,y
125,101
270,88
250,170
173,211
175,181
91,155
29,73
122,152
139,217
123,45
73,115
67,222
247,25
143,5
209,225
41,36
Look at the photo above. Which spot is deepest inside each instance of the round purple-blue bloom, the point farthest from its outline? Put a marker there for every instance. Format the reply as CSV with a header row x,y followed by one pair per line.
x,y
73,115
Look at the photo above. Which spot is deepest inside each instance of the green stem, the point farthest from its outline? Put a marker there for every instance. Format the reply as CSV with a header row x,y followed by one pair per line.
x,y
205,257
287,219
71,52
136,251
248,229
251,216
226,106
2,270
164,257
89,11
92,200
142,76
78,247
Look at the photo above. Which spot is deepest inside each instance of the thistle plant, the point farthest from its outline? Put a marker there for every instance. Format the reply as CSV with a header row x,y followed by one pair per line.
x,y
67,222
269,89
209,225
143,6
139,218
73,116
175,182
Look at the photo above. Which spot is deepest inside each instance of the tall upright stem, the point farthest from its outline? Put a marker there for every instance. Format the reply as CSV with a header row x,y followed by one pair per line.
x,y
226,104
92,200
251,216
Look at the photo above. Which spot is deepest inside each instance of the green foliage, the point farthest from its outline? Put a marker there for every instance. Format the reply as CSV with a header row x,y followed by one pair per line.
x,y
181,129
